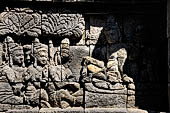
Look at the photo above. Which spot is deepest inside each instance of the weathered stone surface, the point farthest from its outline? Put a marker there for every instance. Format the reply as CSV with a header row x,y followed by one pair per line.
x,y
106,110
90,60
80,110
65,94
94,34
131,101
20,23
105,88
131,92
76,55
58,110
5,107
39,69
131,86
104,100
24,111
8,96
132,110
62,74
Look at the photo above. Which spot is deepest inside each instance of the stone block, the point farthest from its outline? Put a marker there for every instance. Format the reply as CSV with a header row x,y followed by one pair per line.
x,y
102,100
106,110
5,107
18,107
131,86
24,111
21,107
105,88
131,101
76,53
58,110
131,92
133,110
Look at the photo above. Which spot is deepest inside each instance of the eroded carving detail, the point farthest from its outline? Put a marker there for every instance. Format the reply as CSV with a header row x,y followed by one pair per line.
x,y
20,23
72,25
39,83
107,76
37,73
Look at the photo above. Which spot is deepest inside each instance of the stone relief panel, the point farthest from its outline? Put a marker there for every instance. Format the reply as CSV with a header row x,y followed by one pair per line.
x,y
37,74
52,70
39,83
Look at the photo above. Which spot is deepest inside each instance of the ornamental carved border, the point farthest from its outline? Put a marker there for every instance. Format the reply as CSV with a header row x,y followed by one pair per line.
x,y
29,23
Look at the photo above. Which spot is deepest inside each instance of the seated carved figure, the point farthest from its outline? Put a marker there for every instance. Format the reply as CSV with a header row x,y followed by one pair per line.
x,y
46,76
36,76
108,75
64,93
104,76
12,74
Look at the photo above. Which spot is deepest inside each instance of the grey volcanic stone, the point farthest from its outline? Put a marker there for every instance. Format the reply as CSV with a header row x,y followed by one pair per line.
x,y
77,54
24,111
5,107
105,100
58,110
106,110
131,110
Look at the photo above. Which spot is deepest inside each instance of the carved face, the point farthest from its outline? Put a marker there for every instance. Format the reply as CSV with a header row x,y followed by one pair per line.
x,y
112,35
42,57
18,57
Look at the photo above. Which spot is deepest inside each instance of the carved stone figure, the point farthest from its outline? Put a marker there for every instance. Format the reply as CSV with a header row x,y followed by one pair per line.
x,y
60,70
12,74
106,78
36,75
110,73
65,94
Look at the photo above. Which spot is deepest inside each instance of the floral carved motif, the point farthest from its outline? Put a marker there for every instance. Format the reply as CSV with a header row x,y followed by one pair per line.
x,y
20,23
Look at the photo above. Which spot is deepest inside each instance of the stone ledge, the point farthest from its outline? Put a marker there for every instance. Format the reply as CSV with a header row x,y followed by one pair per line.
x,y
80,110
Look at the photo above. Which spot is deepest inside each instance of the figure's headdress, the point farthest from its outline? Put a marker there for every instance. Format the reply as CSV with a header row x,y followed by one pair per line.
x,y
12,48
110,23
37,48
